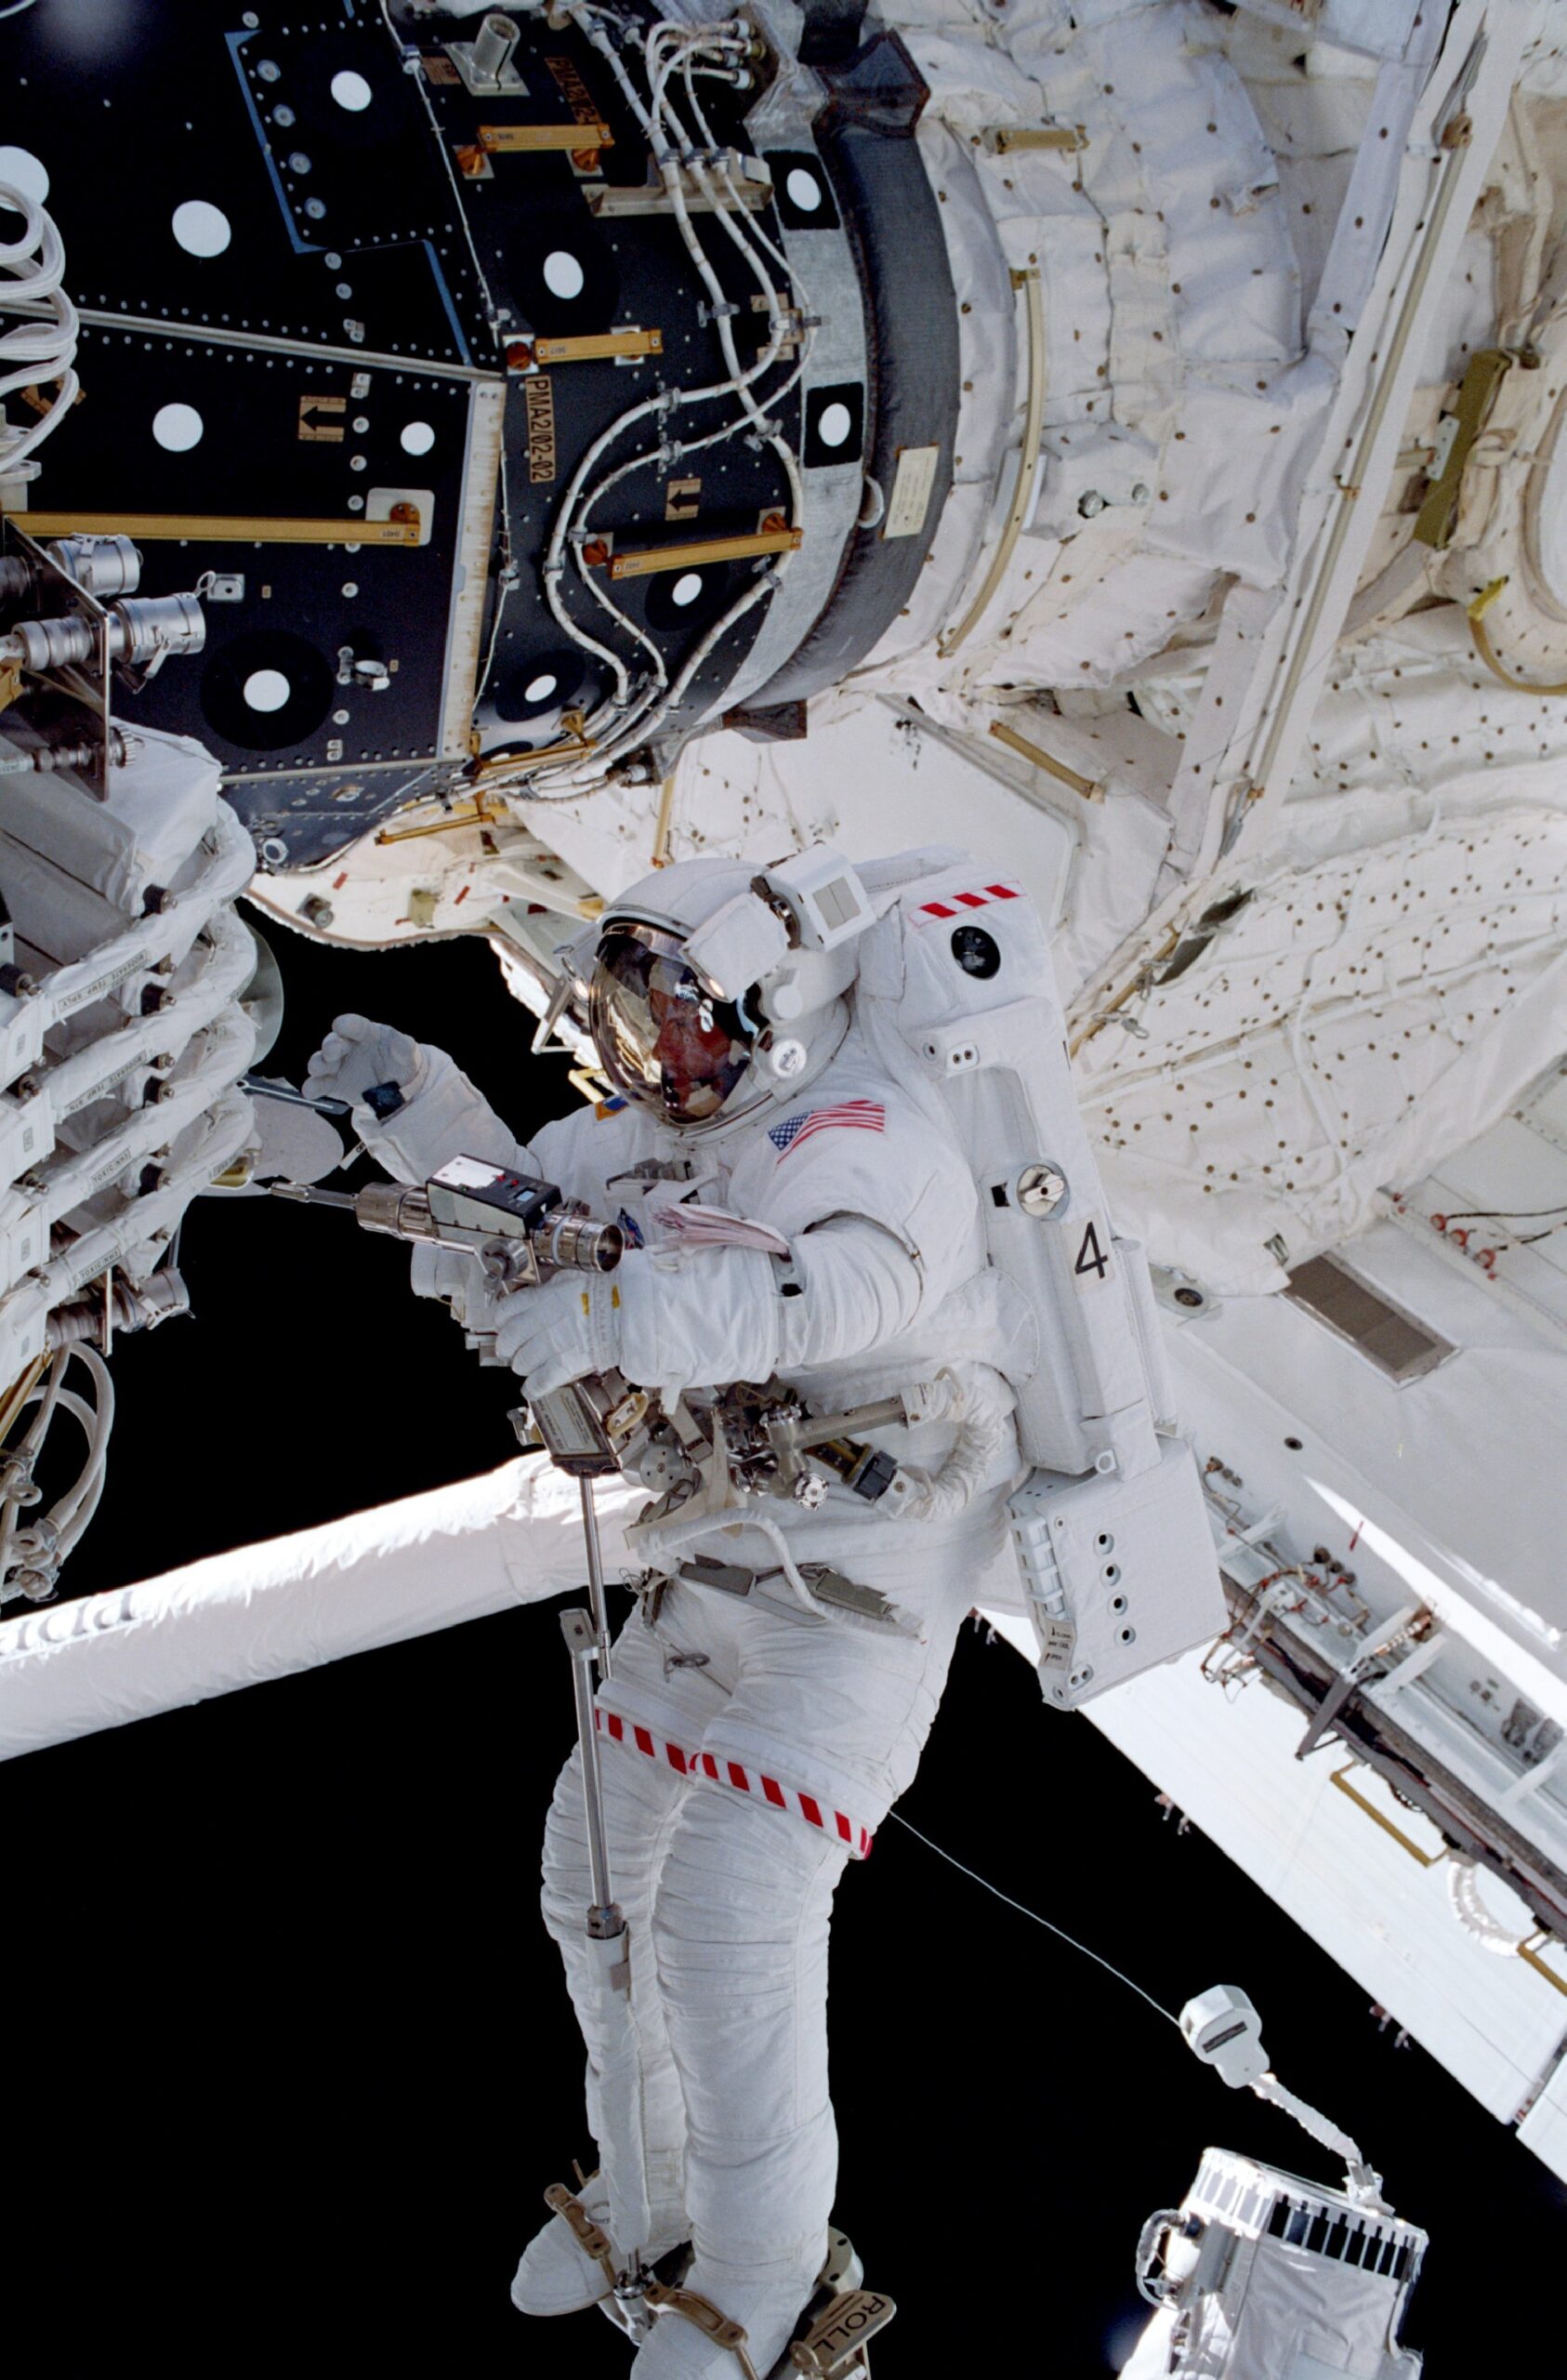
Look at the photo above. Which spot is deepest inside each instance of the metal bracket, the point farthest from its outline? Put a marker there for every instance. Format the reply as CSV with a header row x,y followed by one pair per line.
x,y
402,529
530,140
1436,518
1528,1952
1090,789
833,2348
1405,1842
645,562
585,2231
1000,140
705,2316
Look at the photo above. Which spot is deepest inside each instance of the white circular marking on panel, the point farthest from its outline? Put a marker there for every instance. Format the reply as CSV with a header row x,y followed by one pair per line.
x,y
351,91
25,172
177,428
416,438
539,689
266,690
803,189
834,425
686,587
563,276
201,228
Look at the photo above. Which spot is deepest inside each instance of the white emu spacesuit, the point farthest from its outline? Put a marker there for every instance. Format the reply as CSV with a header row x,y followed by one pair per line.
x,y
753,1738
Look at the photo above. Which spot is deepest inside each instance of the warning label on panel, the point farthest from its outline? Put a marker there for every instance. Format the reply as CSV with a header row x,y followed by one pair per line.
x,y
538,398
911,491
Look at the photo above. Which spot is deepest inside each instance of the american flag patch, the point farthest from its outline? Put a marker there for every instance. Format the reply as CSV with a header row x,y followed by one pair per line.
x,y
859,1115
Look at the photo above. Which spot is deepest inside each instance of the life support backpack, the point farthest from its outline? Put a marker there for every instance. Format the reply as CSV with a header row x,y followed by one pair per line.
x,y
955,993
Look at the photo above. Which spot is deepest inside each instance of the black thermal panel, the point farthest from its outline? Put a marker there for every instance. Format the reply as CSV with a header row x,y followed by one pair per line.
x,y
299,822
301,245
194,429
170,130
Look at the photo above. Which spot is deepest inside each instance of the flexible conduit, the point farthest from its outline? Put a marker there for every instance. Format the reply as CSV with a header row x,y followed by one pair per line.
x,y
1475,614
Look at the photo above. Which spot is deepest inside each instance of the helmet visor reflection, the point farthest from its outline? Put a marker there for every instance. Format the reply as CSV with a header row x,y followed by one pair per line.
x,y
665,1039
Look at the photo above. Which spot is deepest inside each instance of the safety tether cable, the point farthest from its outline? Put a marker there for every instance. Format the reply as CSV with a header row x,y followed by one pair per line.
x,y
1060,1932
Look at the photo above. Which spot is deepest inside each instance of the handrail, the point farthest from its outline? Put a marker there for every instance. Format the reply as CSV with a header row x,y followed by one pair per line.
x,y
1028,456
1405,1842
1089,787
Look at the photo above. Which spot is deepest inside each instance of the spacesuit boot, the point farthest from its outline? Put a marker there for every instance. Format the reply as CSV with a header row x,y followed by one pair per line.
x,y
559,2274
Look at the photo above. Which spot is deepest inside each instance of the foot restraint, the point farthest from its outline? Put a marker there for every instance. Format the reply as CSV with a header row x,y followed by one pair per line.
x,y
840,2321
593,2242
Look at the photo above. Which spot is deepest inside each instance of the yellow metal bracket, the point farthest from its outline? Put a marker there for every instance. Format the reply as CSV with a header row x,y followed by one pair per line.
x,y
499,768
1405,1842
1001,139
1436,518
590,347
470,813
660,857
647,561
16,1396
533,139
1038,757
1528,1952
206,528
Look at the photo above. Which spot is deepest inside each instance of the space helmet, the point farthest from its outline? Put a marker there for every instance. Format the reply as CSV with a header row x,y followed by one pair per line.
x,y
714,992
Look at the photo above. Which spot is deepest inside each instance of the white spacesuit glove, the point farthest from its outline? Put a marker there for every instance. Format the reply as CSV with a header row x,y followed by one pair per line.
x,y
441,1116
561,1330
356,1054
454,1278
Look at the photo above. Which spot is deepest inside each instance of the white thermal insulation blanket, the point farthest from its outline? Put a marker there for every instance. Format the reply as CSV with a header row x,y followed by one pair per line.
x,y
1353,1023
1174,342
1295,2315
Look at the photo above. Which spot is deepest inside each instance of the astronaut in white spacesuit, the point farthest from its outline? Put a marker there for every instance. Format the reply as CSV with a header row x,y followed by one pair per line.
x,y
751,1738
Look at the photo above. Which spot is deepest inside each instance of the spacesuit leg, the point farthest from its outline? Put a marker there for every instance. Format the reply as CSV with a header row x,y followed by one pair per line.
x,y
740,1924
740,1928
640,1803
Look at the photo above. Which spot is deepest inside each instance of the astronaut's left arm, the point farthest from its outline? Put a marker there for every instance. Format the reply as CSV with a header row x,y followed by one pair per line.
x,y
439,1115
705,1316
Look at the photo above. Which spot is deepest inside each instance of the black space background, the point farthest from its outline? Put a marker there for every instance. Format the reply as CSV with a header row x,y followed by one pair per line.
x,y
287,2059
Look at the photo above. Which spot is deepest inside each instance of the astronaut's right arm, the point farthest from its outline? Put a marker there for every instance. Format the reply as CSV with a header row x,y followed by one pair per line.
x,y
441,1114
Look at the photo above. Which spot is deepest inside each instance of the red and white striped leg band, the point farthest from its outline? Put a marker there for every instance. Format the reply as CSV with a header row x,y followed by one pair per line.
x,y
856,1839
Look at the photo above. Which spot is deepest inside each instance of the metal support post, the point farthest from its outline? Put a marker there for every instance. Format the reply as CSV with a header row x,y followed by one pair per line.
x,y
596,1576
609,1941
605,1920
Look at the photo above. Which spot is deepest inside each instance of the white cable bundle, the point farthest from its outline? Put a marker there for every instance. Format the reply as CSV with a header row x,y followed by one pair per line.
x,y
630,716
41,345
